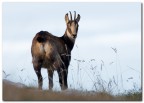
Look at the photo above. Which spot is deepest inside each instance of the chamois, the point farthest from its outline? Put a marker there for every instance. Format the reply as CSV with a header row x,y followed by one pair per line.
x,y
54,53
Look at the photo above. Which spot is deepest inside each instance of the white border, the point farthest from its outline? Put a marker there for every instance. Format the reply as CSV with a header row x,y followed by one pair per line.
x,y
71,0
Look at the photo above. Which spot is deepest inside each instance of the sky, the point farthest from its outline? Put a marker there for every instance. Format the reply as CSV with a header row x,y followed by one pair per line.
x,y
103,27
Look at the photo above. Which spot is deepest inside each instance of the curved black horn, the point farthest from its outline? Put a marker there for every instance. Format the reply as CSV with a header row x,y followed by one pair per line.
x,y
70,15
74,15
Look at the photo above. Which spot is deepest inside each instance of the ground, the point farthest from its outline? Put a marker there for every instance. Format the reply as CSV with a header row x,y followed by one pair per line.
x,y
19,92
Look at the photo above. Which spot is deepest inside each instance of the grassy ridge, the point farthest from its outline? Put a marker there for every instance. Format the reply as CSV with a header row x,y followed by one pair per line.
x,y
14,92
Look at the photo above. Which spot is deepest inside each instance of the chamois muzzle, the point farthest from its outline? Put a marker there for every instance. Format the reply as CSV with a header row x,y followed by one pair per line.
x,y
74,35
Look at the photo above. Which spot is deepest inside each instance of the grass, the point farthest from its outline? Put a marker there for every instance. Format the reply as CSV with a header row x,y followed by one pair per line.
x,y
131,96
13,92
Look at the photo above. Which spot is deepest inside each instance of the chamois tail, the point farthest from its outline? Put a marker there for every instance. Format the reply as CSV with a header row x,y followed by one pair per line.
x,y
41,36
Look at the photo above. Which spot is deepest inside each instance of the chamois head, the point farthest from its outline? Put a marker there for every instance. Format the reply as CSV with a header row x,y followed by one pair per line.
x,y
72,25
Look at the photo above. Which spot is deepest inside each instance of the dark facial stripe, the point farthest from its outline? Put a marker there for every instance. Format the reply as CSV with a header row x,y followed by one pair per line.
x,y
69,30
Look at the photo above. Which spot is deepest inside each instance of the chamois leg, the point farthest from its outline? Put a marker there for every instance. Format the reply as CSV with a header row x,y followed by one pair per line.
x,y
37,69
63,78
65,73
50,77
60,77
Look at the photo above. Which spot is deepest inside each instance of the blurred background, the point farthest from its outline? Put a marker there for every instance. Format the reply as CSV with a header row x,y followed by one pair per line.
x,y
107,51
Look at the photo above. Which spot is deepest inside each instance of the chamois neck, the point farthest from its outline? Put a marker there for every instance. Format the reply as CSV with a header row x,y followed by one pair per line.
x,y
68,41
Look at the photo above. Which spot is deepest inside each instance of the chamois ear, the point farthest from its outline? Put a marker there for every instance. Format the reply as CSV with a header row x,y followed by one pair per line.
x,y
78,18
66,18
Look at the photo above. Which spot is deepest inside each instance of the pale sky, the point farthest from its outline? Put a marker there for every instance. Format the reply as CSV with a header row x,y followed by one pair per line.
x,y
102,26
